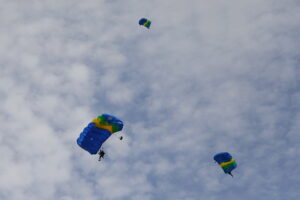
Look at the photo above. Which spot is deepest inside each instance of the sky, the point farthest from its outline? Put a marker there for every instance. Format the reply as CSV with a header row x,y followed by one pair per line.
x,y
208,77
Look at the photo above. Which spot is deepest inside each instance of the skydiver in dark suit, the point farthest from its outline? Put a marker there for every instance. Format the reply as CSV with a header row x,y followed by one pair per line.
x,y
101,154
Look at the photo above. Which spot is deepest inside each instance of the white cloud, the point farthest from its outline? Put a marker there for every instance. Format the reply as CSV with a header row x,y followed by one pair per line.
x,y
207,77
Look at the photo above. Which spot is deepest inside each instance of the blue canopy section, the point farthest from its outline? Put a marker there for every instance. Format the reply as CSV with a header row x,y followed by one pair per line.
x,y
92,138
222,157
142,21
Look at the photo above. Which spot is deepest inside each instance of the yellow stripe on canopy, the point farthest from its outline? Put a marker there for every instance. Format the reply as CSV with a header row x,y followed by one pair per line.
x,y
229,162
106,127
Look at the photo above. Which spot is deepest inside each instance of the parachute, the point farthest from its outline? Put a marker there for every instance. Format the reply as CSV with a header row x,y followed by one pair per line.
x,y
98,131
226,161
145,22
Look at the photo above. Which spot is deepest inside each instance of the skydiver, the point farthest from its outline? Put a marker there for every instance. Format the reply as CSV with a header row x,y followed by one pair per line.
x,y
101,154
230,174
121,138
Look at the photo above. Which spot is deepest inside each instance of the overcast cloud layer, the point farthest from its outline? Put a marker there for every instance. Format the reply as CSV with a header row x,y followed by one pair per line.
x,y
209,76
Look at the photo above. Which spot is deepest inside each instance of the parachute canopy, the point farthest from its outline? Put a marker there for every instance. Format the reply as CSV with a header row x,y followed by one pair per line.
x,y
98,131
145,22
225,160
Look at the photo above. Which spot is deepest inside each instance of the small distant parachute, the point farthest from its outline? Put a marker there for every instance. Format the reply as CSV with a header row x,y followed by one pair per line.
x,y
145,22
98,131
226,161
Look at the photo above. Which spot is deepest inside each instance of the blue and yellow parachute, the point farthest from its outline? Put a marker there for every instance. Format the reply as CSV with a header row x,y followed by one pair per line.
x,y
98,131
226,161
145,22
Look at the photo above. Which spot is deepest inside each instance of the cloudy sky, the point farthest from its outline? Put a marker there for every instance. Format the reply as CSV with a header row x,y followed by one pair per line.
x,y
209,76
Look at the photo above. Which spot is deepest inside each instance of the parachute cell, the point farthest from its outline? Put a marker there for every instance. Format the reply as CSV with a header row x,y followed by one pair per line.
x,y
98,131
145,22
226,161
